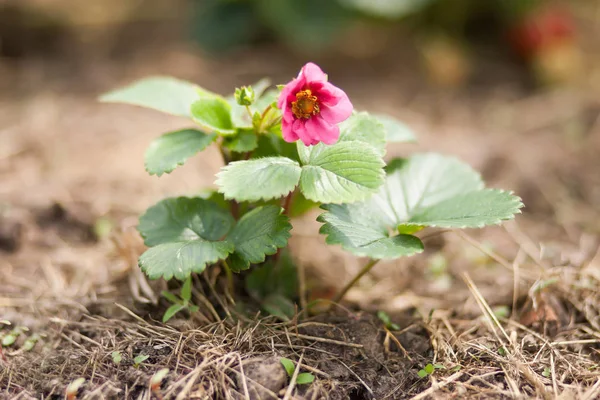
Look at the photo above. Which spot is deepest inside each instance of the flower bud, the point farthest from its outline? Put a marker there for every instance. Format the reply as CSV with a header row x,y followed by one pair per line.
x,y
244,96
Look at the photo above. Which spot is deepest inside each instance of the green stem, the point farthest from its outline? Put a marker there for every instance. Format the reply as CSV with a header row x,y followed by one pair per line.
x,y
234,205
249,112
354,280
262,119
229,274
287,203
264,114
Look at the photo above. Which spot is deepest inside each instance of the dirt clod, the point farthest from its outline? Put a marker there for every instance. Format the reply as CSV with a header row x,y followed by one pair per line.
x,y
11,233
263,377
67,224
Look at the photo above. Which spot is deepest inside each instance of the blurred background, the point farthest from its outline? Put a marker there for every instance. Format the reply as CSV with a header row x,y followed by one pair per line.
x,y
510,86
449,43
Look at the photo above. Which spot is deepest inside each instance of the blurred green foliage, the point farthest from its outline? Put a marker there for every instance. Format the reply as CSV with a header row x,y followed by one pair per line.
x,y
220,25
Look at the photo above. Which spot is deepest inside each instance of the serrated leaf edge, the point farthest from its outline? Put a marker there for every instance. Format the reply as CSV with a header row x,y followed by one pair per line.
x,y
356,250
518,202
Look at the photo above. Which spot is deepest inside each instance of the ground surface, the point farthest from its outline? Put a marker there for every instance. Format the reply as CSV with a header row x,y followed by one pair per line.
x,y
507,312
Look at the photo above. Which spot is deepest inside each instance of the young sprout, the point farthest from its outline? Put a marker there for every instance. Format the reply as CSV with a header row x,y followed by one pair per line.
x,y
303,378
180,303
116,357
138,360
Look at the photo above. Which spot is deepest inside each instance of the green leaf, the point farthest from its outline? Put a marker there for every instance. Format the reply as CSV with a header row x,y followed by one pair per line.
x,y
271,277
186,289
288,365
182,219
469,210
384,317
435,190
305,378
267,97
140,359
260,87
116,357
365,234
263,178
215,197
425,190
171,311
429,369
213,113
170,297
365,128
257,234
180,259
173,149
422,373
279,306
186,234
343,173
270,145
166,94
245,140
9,339
300,205
396,131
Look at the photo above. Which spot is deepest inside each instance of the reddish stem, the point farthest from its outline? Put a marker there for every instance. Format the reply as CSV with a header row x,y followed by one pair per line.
x,y
235,209
287,203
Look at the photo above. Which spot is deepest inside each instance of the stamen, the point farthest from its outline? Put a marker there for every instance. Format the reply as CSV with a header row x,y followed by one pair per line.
x,y
305,105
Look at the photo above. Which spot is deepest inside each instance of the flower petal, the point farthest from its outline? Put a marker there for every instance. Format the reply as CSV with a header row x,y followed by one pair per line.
x,y
322,131
335,104
313,73
288,132
299,129
288,93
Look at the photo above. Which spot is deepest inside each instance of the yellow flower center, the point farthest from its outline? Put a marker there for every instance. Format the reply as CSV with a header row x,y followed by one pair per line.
x,y
305,105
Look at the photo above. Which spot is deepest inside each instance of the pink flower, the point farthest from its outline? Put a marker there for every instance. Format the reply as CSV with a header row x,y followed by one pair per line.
x,y
312,108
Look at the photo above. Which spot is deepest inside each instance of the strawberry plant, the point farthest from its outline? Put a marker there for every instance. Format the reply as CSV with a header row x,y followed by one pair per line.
x,y
301,143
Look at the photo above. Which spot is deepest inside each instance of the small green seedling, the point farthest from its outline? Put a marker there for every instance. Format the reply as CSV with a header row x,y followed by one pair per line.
x,y
303,378
429,369
179,303
31,341
501,311
13,335
116,357
387,322
547,372
138,360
